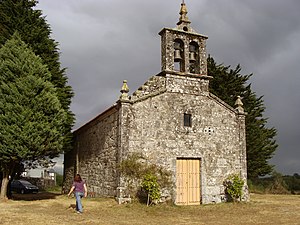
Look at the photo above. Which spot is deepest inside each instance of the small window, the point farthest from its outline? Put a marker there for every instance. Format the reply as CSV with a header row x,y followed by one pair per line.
x,y
187,121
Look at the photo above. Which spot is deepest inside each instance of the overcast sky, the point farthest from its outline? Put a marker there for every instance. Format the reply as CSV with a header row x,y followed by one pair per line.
x,y
103,42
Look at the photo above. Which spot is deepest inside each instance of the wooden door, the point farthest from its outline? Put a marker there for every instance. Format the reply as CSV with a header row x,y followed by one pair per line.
x,y
188,182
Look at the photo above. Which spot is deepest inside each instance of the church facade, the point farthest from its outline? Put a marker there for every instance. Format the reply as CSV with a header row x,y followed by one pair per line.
x,y
173,121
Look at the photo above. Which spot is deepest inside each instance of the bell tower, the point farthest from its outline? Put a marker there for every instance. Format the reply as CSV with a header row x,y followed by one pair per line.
x,y
183,50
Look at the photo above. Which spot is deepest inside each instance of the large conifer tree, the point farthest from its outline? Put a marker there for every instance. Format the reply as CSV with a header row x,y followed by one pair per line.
x,y
261,145
31,115
23,17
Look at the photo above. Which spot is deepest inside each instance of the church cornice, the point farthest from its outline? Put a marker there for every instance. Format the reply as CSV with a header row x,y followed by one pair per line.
x,y
184,74
174,30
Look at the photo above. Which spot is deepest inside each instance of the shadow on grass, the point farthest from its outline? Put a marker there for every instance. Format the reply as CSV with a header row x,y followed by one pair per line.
x,y
34,197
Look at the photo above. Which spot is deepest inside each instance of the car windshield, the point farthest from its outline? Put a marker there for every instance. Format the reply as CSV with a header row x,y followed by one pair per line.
x,y
25,182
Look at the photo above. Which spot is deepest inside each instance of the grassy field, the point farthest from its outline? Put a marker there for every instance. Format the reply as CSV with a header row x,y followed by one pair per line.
x,y
45,208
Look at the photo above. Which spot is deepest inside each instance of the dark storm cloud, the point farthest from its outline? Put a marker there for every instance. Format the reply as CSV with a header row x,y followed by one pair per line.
x,y
106,41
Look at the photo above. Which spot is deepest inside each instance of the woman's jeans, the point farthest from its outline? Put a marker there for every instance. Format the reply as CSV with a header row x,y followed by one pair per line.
x,y
78,196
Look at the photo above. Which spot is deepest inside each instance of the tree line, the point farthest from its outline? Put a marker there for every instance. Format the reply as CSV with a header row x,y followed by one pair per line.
x,y
276,184
35,115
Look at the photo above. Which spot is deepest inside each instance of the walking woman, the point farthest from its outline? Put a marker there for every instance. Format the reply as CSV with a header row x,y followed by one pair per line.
x,y
80,190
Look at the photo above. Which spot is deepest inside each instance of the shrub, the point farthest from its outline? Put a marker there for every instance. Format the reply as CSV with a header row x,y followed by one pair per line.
x,y
234,187
151,186
275,184
137,172
278,185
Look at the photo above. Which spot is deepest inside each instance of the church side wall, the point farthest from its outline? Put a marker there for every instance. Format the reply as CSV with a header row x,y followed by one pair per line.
x,y
95,153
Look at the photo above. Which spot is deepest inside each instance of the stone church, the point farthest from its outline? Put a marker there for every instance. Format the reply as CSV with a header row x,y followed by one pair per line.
x,y
174,121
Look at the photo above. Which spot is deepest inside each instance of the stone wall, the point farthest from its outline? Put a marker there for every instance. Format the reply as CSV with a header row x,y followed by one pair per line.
x,y
95,154
157,131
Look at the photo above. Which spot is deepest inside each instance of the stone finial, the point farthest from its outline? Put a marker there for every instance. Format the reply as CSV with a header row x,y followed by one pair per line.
x,y
183,14
239,105
124,90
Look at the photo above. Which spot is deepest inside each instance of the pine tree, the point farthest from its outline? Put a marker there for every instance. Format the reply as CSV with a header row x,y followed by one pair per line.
x,y
227,84
23,17
31,115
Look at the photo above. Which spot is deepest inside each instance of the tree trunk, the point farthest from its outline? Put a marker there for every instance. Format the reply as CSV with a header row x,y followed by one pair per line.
x,y
5,180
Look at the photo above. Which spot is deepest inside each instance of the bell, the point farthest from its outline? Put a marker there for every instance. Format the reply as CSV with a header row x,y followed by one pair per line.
x,y
177,55
192,56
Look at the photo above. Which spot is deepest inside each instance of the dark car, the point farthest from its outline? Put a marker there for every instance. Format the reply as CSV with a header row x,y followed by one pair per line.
x,y
23,186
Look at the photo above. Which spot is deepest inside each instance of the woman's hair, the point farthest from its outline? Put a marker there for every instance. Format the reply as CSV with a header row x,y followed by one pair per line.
x,y
77,178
